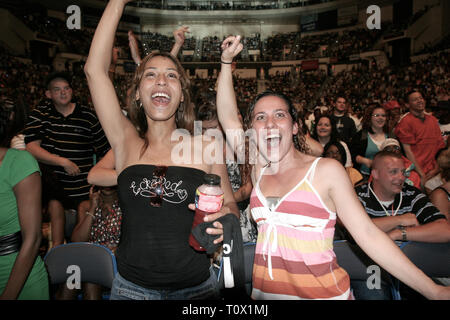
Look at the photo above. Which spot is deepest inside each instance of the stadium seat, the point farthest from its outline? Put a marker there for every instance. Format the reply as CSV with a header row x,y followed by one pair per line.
x,y
432,258
96,263
353,260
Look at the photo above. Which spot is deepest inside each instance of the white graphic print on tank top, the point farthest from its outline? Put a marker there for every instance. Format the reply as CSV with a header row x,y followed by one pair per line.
x,y
173,192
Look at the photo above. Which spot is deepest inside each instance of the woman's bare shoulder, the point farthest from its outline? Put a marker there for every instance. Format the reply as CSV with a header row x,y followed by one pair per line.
x,y
330,169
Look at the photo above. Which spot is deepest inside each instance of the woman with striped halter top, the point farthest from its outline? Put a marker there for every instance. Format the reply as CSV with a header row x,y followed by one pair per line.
x,y
295,202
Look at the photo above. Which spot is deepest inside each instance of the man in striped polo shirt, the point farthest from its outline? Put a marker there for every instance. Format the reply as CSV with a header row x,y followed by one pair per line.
x,y
63,136
402,211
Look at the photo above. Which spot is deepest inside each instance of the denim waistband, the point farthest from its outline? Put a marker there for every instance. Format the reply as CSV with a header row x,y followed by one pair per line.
x,y
10,243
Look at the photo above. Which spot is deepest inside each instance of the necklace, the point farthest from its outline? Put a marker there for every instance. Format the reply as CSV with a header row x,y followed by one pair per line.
x,y
387,213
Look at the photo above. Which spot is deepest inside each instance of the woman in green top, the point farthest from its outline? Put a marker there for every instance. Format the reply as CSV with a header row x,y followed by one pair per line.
x,y
374,132
22,271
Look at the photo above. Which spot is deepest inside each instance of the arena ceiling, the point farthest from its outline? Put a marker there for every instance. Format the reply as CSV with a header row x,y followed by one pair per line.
x,y
278,16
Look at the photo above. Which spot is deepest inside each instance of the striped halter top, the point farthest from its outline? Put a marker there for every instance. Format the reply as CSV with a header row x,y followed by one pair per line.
x,y
294,256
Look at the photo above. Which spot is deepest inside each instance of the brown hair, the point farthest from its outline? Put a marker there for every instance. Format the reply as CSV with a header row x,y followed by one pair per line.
x,y
367,118
299,139
185,115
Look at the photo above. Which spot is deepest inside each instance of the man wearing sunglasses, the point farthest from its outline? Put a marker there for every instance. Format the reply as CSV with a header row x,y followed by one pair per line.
x,y
400,210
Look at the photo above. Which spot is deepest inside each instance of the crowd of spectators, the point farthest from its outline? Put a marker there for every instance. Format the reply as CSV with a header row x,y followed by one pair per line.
x,y
363,87
277,47
225,5
353,42
21,79
211,48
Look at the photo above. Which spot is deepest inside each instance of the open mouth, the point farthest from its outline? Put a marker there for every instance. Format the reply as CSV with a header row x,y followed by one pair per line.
x,y
160,98
273,140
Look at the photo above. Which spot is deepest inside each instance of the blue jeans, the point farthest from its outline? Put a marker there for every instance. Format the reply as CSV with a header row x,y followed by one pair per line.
x,y
125,290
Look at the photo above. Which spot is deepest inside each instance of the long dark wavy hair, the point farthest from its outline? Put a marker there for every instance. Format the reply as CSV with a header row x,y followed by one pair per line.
x,y
185,115
340,148
13,117
334,133
298,139
367,118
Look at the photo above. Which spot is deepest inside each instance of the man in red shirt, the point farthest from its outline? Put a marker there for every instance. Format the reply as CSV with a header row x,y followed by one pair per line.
x,y
420,136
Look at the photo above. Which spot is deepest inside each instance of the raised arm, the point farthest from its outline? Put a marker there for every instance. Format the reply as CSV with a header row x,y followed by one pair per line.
x,y
179,36
371,239
227,110
134,48
85,219
117,128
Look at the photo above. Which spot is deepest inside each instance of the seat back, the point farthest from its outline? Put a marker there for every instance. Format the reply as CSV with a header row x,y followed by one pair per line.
x,y
357,264
352,259
432,258
96,263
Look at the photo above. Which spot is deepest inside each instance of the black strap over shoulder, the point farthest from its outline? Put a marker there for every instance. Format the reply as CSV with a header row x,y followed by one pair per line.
x,y
232,244
10,243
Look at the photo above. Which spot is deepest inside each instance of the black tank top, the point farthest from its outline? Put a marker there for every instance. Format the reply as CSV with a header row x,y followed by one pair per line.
x,y
154,251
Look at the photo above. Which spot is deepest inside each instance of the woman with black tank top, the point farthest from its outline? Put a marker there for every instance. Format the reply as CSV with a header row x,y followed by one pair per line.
x,y
159,166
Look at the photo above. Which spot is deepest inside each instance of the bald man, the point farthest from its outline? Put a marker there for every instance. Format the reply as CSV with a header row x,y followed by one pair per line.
x,y
400,210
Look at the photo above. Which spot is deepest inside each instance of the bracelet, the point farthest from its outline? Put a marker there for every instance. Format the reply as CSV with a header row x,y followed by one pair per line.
x,y
89,214
403,231
404,238
221,61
